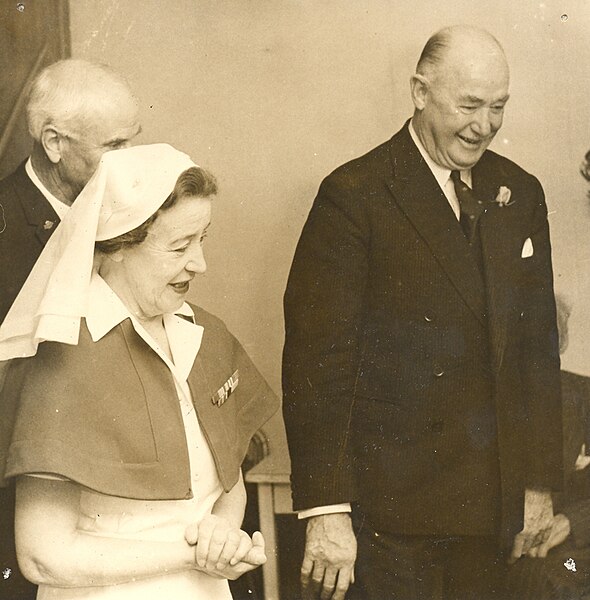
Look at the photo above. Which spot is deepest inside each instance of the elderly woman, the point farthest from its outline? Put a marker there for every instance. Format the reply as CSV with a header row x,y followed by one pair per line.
x,y
127,426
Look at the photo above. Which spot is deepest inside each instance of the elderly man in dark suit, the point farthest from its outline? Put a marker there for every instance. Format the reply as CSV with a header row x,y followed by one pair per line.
x,y
421,364
76,111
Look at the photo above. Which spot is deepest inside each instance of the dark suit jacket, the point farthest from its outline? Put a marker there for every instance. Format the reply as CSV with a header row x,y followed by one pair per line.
x,y
415,385
25,215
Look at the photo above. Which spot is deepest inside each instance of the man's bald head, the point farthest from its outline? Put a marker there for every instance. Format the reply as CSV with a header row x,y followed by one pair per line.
x,y
455,45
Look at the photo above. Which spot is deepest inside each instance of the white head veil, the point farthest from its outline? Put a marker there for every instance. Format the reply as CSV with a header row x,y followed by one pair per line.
x,y
128,187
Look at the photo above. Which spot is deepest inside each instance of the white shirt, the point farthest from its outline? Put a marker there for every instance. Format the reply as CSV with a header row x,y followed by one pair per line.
x,y
442,174
61,208
443,178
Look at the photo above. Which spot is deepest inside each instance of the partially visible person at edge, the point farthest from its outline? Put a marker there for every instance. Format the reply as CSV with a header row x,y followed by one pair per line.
x,y
421,368
127,423
76,110
559,569
585,168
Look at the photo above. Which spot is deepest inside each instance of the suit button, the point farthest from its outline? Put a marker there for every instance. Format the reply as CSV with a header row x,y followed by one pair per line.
x,y
429,317
438,371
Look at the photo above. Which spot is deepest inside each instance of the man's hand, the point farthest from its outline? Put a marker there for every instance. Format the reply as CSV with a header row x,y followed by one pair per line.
x,y
538,521
330,552
559,532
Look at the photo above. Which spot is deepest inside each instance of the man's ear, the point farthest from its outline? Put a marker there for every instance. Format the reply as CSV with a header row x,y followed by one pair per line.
x,y
52,142
419,88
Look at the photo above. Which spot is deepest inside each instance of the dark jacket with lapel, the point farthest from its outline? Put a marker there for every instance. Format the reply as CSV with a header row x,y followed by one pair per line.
x,y
27,221
415,384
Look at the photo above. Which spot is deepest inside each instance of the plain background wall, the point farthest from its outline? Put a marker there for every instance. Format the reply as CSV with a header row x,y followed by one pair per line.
x,y
271,95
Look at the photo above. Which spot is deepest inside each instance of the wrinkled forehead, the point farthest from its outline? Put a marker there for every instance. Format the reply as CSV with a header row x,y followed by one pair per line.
x,y
105,115
473,54
484,76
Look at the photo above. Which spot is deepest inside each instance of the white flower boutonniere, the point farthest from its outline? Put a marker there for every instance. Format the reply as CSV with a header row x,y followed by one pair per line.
x,y
503,197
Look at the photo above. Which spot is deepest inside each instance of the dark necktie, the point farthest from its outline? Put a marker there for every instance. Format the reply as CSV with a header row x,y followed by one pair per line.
x,y
471,207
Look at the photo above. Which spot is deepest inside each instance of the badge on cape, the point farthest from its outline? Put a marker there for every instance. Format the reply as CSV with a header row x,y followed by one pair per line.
x,y
224,392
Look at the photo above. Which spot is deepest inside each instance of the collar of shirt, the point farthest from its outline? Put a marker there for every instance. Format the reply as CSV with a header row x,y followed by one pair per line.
x,y
61,208
106,311
441,174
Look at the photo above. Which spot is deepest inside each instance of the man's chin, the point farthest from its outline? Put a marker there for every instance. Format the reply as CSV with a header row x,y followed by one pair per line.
x,y
468,154
464,161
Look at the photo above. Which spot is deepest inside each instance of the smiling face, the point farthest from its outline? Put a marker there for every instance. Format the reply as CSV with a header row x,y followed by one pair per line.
x,y
153,277
460,103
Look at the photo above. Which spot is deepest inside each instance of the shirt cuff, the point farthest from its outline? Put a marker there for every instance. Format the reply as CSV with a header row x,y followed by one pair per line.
x,y
324,510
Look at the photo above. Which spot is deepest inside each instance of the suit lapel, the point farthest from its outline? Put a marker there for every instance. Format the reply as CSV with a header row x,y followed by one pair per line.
x,y
38,212
420,197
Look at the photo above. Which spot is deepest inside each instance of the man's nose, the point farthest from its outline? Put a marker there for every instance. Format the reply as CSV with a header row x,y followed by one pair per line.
x,y
484,123
196,262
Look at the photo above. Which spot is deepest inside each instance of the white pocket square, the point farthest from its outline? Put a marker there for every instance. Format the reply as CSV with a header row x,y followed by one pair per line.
x,y
527,249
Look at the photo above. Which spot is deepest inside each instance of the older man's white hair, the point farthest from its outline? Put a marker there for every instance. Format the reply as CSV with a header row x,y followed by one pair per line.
x,y
71,94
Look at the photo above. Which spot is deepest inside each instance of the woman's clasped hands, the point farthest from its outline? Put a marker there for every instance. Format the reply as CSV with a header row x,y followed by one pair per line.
x,y
223,550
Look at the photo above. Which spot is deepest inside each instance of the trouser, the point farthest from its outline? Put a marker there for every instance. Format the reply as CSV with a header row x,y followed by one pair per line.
x,y
402,567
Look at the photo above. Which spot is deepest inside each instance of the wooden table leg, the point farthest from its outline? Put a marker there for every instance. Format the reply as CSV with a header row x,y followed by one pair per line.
x,y
270,570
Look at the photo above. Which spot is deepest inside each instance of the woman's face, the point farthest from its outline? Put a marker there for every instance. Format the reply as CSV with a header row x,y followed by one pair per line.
x,y
153,278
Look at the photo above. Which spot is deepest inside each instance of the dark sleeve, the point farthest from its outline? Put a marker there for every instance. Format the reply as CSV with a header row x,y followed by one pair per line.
x,y
14,263
540,358
323,320
20,245
575,505
578,514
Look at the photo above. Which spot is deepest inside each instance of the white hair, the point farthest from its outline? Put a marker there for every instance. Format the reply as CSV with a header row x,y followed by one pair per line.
x,y
70,92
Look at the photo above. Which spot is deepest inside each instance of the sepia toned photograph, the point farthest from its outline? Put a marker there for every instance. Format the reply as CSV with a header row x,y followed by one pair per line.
x,y
293,300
